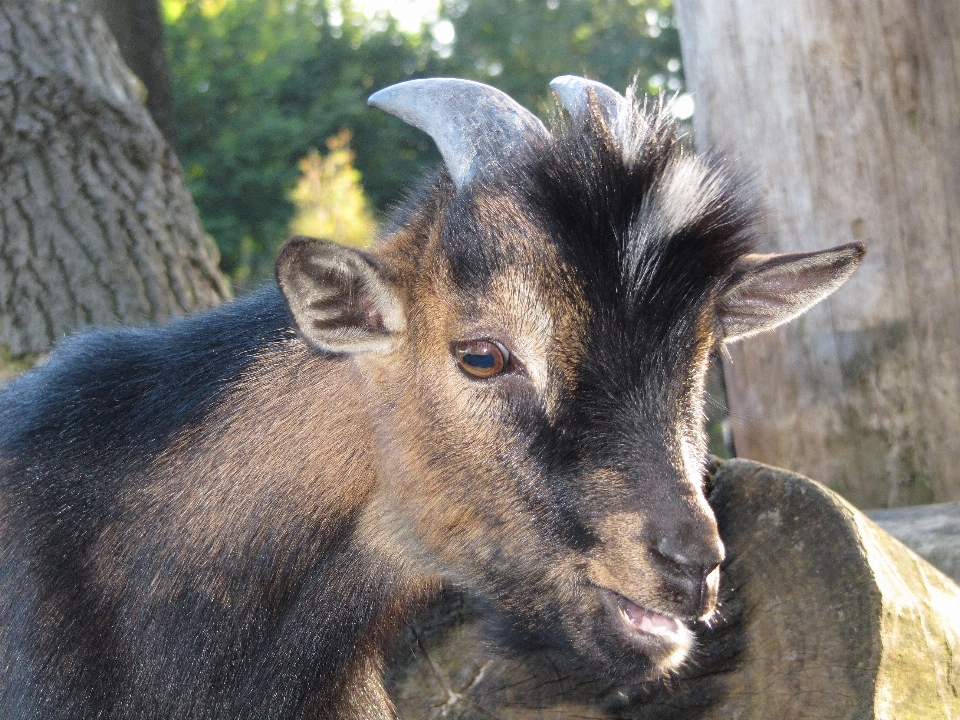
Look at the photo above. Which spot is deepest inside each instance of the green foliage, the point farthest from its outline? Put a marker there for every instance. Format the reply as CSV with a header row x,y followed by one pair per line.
x,y
329,198
258,83
520,45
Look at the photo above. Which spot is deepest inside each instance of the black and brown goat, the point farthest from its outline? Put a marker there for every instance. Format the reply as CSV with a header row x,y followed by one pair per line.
x,y
232,516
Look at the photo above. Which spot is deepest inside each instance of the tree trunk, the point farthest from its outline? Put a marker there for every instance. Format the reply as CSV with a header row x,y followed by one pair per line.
x,y
823,615
850,113
137,27
96,225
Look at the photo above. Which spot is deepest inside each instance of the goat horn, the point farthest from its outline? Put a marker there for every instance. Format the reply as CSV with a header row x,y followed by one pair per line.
x,y
578,94
474,125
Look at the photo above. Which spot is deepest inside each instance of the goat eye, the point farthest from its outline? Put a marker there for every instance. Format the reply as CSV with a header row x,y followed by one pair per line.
x,y
481,358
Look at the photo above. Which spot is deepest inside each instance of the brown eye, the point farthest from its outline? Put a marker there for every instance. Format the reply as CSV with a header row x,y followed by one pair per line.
x,y
481,358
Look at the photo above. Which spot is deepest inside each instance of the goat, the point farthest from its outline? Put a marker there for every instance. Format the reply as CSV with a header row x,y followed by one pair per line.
x,y
233,515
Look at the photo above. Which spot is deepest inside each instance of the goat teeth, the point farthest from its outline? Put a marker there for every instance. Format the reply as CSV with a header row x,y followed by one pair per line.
x,y
648,621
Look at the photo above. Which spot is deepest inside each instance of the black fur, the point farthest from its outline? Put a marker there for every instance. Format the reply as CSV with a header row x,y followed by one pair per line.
x,y
648,295
302,606
75,436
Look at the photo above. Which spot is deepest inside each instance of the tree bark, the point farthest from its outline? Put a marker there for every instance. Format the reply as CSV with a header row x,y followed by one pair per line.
x,y
850,114
137,27
96,224
822,615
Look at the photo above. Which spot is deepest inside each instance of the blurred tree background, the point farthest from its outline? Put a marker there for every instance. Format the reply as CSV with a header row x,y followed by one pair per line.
x,y
261,85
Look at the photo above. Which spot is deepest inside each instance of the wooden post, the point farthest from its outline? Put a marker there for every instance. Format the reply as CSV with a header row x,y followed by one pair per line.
x,y
849,112
823,615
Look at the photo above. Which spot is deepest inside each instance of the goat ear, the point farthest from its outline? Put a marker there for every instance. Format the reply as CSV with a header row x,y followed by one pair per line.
x,y
339,297
769,290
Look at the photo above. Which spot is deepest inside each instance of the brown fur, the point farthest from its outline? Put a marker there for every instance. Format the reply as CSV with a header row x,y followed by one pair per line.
x,y
233,516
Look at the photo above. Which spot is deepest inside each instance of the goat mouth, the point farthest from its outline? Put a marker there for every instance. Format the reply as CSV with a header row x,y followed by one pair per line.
x,y
644,626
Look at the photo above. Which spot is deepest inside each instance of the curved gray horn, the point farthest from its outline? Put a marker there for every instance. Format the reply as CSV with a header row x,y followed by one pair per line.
x,y
577,95
474,125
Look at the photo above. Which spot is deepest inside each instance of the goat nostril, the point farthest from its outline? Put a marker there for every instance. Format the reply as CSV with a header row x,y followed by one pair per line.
x,y
668,549
696,568
701,572
695,577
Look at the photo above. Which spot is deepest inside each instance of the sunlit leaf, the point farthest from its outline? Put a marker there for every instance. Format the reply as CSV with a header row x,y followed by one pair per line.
x,y
329,198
